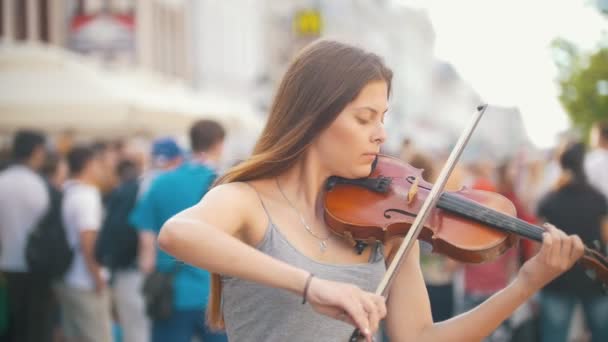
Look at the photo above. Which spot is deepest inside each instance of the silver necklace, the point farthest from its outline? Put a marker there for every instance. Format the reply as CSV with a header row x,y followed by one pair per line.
x,y
322,241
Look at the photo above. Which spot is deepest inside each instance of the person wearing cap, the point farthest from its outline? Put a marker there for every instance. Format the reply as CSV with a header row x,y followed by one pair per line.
x,y
165,155
127,282
168,194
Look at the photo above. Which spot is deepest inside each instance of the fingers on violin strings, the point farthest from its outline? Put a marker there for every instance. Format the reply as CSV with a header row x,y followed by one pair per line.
x,y
547,246
556,249
548,226
566,251
578,248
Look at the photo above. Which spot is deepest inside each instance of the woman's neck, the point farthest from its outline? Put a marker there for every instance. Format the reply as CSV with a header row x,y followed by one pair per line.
x,y
303,184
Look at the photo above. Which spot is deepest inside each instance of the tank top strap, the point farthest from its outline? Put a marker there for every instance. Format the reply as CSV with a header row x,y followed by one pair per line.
x,y
261,202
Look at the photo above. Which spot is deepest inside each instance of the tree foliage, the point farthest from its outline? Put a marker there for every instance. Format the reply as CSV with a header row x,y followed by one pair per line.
x,y
584,83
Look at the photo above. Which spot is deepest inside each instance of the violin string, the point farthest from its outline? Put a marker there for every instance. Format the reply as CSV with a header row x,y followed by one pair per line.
x,y
500,220
491,217
533,231
497,219
481,213
485,215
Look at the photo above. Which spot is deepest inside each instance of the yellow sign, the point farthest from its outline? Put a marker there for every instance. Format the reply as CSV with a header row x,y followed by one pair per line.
x,y
308,23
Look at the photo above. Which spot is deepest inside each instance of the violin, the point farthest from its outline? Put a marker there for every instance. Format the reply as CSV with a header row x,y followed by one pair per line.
x,y
471,226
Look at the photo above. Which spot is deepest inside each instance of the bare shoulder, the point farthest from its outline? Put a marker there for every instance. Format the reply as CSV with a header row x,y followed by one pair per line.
x,y
229,194
235,208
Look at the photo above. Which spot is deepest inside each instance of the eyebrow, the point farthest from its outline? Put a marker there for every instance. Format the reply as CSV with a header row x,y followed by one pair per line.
x,y
371,109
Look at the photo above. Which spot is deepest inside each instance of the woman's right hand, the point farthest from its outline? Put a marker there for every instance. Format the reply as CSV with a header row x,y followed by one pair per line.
x,y
348,303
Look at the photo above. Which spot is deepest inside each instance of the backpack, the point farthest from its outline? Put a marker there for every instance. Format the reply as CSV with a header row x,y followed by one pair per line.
x,y
116,245
48,252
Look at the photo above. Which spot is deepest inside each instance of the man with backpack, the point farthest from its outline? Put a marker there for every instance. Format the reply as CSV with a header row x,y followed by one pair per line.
x,y
116,249
83,293
24,200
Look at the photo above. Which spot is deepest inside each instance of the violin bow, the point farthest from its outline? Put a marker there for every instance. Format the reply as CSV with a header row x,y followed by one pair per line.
x,y
428,204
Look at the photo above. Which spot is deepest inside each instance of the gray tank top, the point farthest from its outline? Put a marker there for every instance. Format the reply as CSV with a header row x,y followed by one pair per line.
x,y
254,312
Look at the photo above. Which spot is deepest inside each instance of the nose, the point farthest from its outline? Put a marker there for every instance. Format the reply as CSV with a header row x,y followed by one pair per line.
x,y
379,135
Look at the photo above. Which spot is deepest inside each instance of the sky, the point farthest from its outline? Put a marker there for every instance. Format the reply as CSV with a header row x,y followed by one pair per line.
x,y
502,49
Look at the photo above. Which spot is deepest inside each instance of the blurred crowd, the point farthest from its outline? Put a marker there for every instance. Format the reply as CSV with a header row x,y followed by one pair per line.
x,y
78,226
567,187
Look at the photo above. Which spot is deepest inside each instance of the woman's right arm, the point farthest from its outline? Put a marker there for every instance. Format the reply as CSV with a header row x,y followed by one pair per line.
x,y
216,235
211,235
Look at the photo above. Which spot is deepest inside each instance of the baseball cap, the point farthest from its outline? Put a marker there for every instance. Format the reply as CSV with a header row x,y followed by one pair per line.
x,y
165,149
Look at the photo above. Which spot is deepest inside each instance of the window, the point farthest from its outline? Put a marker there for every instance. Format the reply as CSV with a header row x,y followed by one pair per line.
x,y
43,20
2,18
20,15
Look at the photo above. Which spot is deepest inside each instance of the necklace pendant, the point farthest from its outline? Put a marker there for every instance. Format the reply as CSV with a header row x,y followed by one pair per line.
x,y
322,246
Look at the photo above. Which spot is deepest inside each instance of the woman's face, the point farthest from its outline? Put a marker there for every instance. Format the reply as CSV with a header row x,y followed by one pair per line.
x,y
349,145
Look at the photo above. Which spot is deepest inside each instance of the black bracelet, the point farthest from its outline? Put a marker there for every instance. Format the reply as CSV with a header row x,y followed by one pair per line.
x,y
306,288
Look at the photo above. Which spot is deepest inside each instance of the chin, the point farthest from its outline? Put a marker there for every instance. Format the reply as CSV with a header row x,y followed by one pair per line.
x,y
354,170
360,171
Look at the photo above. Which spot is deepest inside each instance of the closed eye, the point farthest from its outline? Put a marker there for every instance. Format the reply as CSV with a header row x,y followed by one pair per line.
x,y
362,121
373,113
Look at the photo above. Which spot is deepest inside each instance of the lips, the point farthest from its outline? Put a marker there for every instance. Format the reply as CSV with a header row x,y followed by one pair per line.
x,y
369,156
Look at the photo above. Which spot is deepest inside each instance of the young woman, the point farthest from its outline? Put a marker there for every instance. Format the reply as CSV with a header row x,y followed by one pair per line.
x,y
263,235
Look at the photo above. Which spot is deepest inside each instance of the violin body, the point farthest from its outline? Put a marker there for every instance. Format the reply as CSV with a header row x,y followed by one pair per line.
x,y
468,225
365,215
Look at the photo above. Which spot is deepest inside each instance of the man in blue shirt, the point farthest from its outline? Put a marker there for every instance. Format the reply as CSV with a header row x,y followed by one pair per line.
x,y
169,194
127,279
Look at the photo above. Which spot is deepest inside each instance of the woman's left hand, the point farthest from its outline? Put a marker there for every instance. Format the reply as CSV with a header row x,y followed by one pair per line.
x,y
557,255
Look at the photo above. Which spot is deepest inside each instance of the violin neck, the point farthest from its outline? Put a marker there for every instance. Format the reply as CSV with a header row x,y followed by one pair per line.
x,y
466,208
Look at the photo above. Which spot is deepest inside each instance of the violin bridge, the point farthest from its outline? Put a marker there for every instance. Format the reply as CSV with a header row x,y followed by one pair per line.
x,y
413,191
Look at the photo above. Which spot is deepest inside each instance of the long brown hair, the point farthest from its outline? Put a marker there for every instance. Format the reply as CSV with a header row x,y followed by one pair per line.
x,y
322,79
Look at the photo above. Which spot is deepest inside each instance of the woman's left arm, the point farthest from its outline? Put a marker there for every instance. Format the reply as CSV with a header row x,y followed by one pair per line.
x,y
409,314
